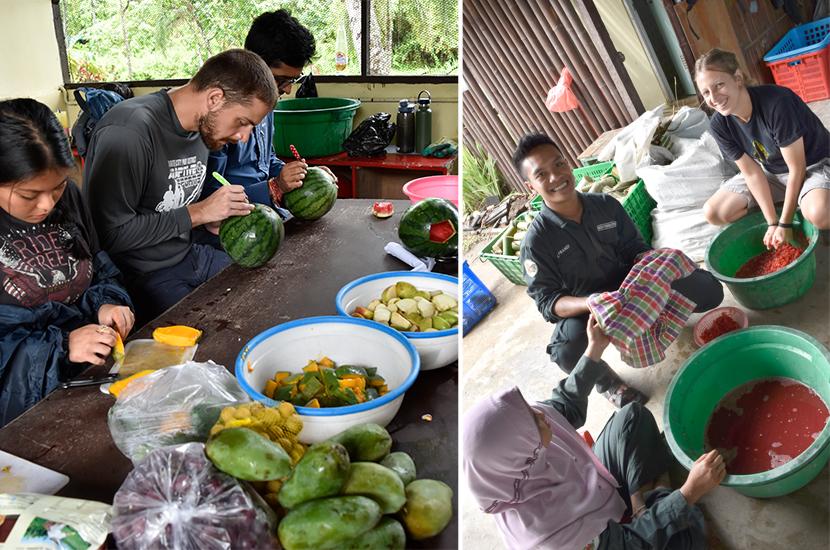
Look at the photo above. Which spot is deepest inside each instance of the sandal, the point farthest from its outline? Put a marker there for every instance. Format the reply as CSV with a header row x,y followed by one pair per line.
x,y
621,394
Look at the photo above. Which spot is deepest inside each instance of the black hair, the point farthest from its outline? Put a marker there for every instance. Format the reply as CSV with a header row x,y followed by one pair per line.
x,y
527,143
279,38
33,141
240,74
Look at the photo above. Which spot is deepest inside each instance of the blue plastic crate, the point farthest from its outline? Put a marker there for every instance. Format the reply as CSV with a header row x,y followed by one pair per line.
x,y
477,300
806,38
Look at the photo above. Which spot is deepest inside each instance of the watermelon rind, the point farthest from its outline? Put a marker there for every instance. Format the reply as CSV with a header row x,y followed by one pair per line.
x,y
314,198
414,228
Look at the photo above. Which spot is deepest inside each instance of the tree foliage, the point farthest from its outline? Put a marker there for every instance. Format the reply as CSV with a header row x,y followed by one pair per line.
x,y
166,39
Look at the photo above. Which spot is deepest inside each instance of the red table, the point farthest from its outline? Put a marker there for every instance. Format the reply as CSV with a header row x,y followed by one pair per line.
x,y
389,161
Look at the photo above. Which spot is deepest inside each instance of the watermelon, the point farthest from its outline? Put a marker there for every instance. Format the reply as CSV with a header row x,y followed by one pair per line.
x,y
383,209
430,228
252,240
314,198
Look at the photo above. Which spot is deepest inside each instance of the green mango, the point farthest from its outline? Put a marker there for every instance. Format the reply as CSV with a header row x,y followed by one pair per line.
x,y
377,482
245,454
387,535
449,316
428,508
439,323
365,442
405,290
321,472
402,464
328,522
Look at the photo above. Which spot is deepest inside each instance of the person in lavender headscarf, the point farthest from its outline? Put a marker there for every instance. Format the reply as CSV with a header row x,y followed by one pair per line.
x,y
527,465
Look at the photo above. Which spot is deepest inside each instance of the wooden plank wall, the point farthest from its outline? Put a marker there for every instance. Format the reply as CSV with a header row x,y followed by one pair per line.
x,y
514,52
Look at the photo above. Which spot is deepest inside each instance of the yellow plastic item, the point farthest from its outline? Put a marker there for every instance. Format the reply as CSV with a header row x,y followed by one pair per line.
x,y
118,349
118,386
177,335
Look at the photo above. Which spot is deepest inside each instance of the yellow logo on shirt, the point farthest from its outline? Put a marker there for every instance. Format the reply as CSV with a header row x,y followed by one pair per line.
x,y
761,154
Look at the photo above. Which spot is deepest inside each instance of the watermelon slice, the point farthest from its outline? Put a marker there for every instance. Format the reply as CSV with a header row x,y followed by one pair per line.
x,y
383,209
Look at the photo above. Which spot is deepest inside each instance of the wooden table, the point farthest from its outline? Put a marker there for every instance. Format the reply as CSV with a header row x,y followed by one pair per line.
x,y
389,161
68,431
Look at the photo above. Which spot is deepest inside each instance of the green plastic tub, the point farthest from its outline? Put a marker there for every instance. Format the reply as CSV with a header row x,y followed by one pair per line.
x,y
728,362
742,240
316,126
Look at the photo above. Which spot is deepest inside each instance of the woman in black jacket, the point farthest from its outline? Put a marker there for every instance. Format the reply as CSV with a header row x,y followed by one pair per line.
x,y
61,304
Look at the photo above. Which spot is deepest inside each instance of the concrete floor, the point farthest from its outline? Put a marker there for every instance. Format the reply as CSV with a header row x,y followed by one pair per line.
x,y
507,348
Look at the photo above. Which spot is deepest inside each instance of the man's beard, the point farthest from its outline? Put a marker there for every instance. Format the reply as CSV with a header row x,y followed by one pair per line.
x,y
207,129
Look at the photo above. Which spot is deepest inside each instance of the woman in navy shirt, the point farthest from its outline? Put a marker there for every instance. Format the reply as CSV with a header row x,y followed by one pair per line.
x,y
780,146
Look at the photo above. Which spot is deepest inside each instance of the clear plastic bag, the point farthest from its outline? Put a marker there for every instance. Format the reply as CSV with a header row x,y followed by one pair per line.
x,y
175,498
171,406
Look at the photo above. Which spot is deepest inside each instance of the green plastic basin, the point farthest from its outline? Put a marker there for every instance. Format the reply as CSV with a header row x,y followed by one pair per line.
x,y
728,362
742,240
316,126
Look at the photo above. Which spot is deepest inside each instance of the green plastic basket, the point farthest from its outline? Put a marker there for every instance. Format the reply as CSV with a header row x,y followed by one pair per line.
x,y
510,266
638,203
316,126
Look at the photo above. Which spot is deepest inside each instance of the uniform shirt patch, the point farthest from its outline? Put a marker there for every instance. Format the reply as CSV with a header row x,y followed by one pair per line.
x,y
531,268
607,225
562,250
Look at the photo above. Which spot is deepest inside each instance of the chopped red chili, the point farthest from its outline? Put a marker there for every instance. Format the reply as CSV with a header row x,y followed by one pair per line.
x,y
720,326
769,261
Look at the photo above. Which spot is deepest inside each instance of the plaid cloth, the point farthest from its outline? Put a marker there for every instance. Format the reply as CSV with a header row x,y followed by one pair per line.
x,y
645,315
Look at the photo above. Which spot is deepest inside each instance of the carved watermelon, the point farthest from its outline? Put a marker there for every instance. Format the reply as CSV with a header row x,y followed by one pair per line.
x,y
430,228
252,240
314,198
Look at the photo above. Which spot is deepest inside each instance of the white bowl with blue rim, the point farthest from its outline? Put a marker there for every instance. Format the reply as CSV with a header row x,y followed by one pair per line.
x,y
289,347
437,349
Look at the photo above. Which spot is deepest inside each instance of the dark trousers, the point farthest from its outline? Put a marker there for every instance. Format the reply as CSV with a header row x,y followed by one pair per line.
x,y
570,337
635,453
155,292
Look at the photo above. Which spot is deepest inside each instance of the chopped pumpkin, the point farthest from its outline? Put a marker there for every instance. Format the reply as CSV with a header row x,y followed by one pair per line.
x,y
326,362
270,388
323,384
313,403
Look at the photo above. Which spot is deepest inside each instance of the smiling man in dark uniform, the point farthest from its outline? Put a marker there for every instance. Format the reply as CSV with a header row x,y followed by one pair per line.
x,y
580,244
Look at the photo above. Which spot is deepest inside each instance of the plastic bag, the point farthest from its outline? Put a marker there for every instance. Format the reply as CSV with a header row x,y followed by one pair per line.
x,y
308,88
171,406
175,498
371,137
561,98
45,522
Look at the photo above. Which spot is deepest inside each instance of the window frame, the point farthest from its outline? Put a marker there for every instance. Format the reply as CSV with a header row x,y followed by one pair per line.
x,y
362,78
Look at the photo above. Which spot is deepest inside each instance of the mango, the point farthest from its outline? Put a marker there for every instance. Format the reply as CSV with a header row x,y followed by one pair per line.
x,y
245,454
365,442
378,483
328,522
402,464
387,535
405,290
321,472
428,508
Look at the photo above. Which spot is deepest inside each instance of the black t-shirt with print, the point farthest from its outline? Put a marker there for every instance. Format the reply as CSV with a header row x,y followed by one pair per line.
x,y
779,118
50,261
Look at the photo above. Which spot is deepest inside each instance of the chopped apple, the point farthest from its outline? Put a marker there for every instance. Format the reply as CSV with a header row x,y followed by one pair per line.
x,y
399,322
443,302
405,290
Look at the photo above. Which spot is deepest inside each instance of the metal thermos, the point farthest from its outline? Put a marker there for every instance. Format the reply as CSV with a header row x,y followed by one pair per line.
x,y
405,135
423,123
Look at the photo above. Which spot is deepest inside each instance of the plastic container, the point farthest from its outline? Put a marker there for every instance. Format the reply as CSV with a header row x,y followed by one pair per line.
x,y
638,203
345,340
742,240
442,187
477,300
728,362
510,266
800,61
317,126
704,323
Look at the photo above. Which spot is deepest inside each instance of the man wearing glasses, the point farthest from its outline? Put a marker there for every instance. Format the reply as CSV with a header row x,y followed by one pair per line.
x,y
286,46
